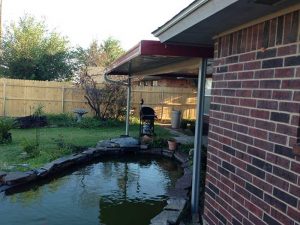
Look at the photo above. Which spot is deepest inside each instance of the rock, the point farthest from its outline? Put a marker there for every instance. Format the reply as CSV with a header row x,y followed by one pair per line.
x,y
41,172
181,157
184,182
2,174
144,147
122,142
177,204
166,217
178,193
126,142
4,188
167,153
107,144
15,178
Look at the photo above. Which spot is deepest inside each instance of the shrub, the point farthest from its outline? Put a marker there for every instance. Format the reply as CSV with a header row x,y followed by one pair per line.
x,y
61,120
6,124
160,143
88,122
30,147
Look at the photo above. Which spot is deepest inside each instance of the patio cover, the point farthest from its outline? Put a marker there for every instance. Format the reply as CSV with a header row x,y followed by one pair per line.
x,y
155,58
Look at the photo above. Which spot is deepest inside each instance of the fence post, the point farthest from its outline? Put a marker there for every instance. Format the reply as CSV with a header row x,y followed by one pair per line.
x,y
63,99
4,96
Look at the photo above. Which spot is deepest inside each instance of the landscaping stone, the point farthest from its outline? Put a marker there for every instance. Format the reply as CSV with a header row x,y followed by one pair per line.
x,y
107,144
167,153
2,174
178,193
41,172
166,217
184,182
15,178
176,204
4,188
122,142
181,157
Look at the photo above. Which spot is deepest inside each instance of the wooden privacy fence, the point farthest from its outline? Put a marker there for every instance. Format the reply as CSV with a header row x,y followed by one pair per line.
x,y
21,97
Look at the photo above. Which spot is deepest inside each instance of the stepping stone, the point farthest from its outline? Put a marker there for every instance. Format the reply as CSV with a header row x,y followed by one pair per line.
x,y
176,204
166,217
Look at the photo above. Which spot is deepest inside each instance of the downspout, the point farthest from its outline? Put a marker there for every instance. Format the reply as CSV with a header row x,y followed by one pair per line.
x,y
198,138
128,84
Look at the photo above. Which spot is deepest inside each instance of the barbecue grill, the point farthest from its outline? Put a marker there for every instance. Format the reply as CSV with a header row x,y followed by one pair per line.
x,y
147,117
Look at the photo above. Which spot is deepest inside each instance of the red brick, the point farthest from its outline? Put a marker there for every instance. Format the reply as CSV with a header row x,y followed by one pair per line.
x,y
247,57
287,28
256,152
266,125
262,94
239,145
278,182
284,72
272,32
262,74
287,130
293,107
295,214
260,35
235,67
234,84
248,41
298,72
250,84
278,138
282,95
260,114
291,84
246,121
253,209
278,160
230,76
273,84
243,93
287,50
254,65
295,120
295,190
245,75
295,166
241,111
248,102
258,133
297,96
254,37
281,217
267,146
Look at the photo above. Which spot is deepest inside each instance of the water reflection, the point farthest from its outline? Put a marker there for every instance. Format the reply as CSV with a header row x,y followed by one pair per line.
x,y
127,191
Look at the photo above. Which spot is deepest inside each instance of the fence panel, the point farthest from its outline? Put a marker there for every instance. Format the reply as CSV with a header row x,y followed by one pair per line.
x,y
21,97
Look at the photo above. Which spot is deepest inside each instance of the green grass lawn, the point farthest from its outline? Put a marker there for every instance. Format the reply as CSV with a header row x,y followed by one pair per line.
x,y
12,154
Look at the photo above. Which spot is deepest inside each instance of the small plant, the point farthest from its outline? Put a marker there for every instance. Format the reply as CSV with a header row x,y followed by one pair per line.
x,y
37,114
159,143
30,147
6,124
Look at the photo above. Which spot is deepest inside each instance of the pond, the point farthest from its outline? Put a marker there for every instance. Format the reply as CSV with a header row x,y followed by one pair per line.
x,y
130,190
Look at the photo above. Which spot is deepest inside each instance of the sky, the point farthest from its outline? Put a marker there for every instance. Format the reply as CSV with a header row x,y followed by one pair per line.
x,y
83,21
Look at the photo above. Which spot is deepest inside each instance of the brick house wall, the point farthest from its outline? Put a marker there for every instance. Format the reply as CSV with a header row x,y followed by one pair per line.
x,y
253,167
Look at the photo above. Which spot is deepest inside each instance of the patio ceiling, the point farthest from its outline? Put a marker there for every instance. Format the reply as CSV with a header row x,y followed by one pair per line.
x,y
155,58
202,20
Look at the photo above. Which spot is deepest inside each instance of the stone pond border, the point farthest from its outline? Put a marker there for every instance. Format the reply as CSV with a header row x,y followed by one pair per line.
x,y
178,196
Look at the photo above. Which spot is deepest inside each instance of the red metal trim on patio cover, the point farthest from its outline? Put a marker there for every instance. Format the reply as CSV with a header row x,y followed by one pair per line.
x,y
156,48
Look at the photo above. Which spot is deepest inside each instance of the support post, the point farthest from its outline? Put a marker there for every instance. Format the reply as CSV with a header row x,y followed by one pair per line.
x,y
4,97
198,138
128,100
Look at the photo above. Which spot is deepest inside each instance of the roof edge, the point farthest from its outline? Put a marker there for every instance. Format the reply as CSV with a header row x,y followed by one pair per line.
x,y
181,15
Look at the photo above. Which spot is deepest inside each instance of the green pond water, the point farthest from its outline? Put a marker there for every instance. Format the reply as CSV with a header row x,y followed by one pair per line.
x,y
128,191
